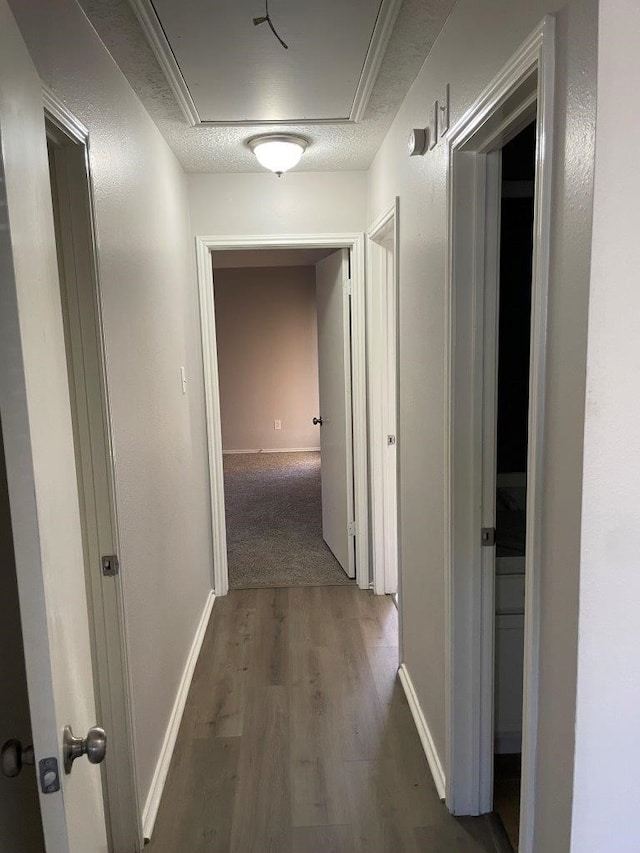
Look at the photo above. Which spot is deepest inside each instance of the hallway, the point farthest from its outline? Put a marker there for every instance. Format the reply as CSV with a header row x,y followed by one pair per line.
x,y
297,737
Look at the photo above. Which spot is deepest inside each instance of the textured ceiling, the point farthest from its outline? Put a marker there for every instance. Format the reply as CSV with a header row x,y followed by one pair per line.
x,y
336,147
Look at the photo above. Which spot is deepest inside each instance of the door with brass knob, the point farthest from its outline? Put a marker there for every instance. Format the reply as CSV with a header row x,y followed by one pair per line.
x,y
94,746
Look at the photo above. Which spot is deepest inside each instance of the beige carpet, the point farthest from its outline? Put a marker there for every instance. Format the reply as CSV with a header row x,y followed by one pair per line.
x,y
274,522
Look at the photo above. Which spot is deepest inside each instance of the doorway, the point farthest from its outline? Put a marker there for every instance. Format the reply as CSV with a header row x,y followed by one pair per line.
x,y
284,364
67,148
382,346
507,479
478,588
357,529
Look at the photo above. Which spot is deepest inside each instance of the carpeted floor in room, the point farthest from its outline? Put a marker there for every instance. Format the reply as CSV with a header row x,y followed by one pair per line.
x,y
274,522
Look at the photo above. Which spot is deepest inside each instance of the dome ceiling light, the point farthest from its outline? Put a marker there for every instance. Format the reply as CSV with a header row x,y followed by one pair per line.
x,y
278,152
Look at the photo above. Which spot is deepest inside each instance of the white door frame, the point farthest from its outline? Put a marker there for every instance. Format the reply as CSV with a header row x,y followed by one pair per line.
x,y
204,247
382,347
97,493
526,83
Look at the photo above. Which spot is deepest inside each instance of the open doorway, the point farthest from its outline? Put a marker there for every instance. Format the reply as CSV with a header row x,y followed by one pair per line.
x,y
494,477
348,287
284,367
518,161
382,347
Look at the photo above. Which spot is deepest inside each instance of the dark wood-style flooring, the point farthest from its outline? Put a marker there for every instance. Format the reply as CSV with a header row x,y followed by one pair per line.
x,y
297,737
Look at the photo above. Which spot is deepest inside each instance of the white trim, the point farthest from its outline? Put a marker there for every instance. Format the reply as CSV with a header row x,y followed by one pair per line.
x,y
383,410
375,54
469,669
273,450
105,596
153,29
150,811
354,242
56,110
426,739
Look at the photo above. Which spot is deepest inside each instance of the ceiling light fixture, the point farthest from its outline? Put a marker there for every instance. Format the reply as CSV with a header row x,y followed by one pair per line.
x,y
277,152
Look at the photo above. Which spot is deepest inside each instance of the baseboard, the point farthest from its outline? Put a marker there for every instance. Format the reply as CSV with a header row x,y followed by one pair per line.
x,y
150,811
426,739
275,450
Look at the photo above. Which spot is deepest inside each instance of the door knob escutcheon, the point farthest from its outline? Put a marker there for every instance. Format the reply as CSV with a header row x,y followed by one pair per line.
x,y
94,746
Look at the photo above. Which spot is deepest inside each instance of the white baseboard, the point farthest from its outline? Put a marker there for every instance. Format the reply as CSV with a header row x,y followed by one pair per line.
x,y
426,739
275,450
150,811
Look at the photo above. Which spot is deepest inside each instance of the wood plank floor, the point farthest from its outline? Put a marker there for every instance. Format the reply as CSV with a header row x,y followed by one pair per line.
x,y
297,737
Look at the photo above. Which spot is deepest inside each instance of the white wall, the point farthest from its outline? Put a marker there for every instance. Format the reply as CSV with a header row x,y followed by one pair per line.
x,y
296,203
151,330
477,40
267,337
607,778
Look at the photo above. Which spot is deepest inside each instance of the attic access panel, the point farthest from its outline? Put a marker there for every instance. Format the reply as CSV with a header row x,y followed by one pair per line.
x,y
224,70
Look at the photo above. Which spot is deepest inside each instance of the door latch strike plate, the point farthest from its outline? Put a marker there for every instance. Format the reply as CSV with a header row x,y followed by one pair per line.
x,y
488,537
110,566
49,775
391,440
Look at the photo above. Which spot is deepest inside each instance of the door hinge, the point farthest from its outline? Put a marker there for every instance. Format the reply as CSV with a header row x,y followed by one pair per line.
x,y
488,537
351,528
347,286
110,566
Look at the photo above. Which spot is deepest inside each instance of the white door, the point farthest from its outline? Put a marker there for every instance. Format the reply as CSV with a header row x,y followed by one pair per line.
x,y
41,477
336,432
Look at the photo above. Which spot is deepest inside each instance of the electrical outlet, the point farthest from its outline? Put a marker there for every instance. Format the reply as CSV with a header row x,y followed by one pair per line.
x,y
277,424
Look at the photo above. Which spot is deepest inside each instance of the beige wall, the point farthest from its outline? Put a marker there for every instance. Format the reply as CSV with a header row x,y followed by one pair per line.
x,y
478,39
267,334
151,329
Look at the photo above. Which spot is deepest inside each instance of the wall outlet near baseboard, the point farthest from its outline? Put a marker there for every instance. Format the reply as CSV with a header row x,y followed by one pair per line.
x,y
277,424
